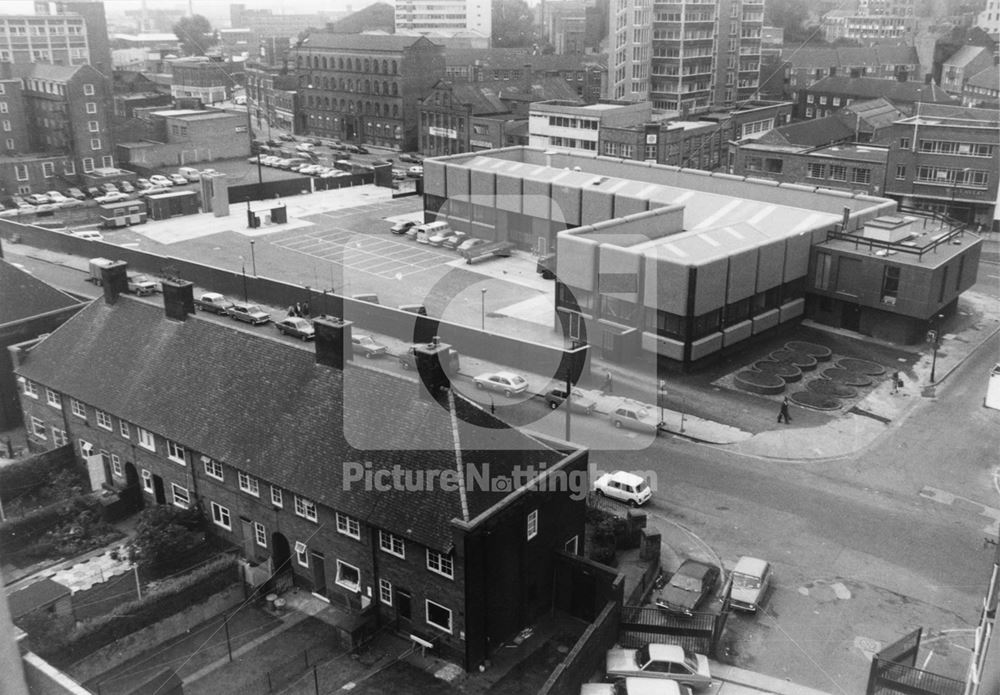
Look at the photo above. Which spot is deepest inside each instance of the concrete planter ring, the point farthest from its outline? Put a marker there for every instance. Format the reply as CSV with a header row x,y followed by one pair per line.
x,y
763,383
853,364
800,359
821,352
847,377
836,389
816,401
786,370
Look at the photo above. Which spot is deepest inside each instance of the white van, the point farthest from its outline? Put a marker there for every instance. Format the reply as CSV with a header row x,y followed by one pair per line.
x,y
426,231
190,174
89,235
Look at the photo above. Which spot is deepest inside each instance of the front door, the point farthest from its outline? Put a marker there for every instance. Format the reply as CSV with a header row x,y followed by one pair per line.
x,y
850,316
246,528
403,609
319,572
158,494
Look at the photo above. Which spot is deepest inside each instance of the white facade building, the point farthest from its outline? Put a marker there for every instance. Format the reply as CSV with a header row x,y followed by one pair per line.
x,y
444,16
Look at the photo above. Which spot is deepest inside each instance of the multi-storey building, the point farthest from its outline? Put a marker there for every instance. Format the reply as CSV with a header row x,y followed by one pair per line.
x,y
825,96
445,16
585,73
989,19
364,88
846,166
946,159
210,80
60,33
271,97
982,90
415,526
685,56
871,20
574,127
688,144
263,23
966,62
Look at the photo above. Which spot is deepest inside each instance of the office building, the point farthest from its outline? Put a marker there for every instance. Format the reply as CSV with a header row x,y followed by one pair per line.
x,y
445,16
60,33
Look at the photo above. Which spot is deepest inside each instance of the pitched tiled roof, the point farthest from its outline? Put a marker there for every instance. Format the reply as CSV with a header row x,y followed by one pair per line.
x,y
516,58
541,89
265,407
369,42
45,71
988,78
871,88
964,55
24,295
483,99
815,132
893,54
877,113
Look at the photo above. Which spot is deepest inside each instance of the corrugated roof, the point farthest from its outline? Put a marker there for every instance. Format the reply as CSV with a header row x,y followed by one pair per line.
x,y
814,132
25,296
877,113
265,407
540,89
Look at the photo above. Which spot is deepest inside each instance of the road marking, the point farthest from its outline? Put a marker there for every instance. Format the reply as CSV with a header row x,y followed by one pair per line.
x,y
945,497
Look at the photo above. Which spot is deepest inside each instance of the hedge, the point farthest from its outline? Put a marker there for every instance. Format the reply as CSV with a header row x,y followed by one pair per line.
x,y
27,475
19,533
160,603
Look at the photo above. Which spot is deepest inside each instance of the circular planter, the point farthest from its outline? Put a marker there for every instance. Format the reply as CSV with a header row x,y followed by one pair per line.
x,y
760,382
825,387
821,352
786,370
800,359
847,377
816,401
853,364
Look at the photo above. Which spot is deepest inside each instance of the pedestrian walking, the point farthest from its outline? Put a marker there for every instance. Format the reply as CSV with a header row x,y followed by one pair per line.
x,y
895,382
305,308
784,411
291,310
298,309
609,384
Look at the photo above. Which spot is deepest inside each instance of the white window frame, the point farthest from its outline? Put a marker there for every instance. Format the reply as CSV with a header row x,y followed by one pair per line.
x,y
95,143
277,497
78,408
123,429
385,591
221,516
182,500
427,616
306,508
147,480
532,524
572,545
302,553
392,544
146,440
59,437
88,165
260,534
213,469
348,526
116,466
91,107
88,90
350,586
38,428
48,169
175,452
249,484
441,561
53,398
104,421
31,389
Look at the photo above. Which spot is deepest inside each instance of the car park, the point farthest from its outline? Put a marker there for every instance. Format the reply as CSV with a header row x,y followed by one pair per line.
x,y
304,147
408,359
438,238
624,487
109,187
283,163
507,383
111,197
749,583
579,403
285,137
76,193
297,327
213,302
160,180
248,313
270,160
399,174
415,172
190,174
36,199
126,187
154,190
691,584
633,416
368,346
455,240
402,227
177,180
662,661
207,172
636,685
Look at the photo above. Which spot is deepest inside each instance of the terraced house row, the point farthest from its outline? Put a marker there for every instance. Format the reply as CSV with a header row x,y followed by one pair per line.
x,y
296,456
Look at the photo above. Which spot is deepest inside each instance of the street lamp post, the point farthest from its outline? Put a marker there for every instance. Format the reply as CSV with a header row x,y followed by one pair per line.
x,y
482,312
934,338
244,270
954,190
253,258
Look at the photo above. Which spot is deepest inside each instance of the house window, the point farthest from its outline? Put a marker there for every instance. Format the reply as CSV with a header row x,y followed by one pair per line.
x,y
385,591
116,465
438,616
59,436
249,485
904,143
213,469
571,546
88,90
147,480
146,439
18,168
816,171
276,498
441,563
48,169
88,165
348,576
91,107
302,553
78,408
95,143
838,172
30,388
305,508
532,524
103,420
181,498
900,172
861,176
824,265
260,534
220,515
890,284
94,126
175,452
348,526
392,544
38,428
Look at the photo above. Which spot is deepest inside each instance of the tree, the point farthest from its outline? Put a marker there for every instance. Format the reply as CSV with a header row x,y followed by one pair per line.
x,y
163,536
513,24
195,34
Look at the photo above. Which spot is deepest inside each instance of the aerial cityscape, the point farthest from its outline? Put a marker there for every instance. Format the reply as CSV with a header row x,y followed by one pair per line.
x,y
460,347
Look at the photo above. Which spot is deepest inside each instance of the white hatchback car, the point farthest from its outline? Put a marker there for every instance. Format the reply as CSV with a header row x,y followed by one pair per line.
x,y
625,487
749,583
507,383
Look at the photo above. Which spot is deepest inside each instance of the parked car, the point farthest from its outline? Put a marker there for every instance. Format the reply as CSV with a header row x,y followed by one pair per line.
x,y
143,183
749,583
399,174
408,359
94,191
160,180
36,199
633,416
623,486
109,187
304,147
283,163
439,237
126,187
274,143
636,685
214,302
415,172
455,240
368,345
249,313
141,285
111,197
361,149
284,136
470,244
190,174
89,235
178,180
255,159
56,197
579,403
662,661
76,193
153,190
207,172
507,383
691,584
402,227
412,157
297,327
